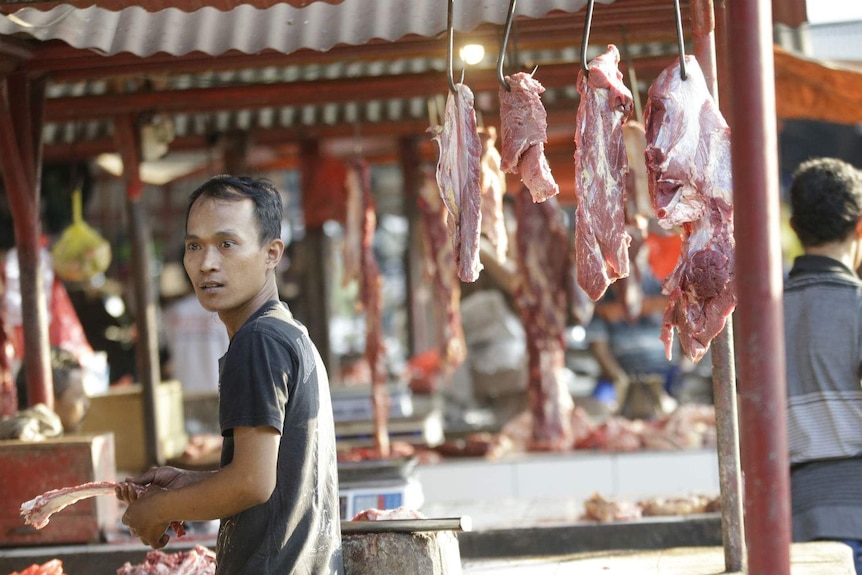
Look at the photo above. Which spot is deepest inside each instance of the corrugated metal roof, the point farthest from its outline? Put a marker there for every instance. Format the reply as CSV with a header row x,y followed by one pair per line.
x,y
248,29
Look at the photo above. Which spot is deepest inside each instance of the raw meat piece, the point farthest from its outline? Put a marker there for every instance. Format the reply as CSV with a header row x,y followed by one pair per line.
x,y
493,185
197,561
52,567
458,173
606,510
601,168
38,511
524,125
388,514
674,505
690,181
540,296
440,267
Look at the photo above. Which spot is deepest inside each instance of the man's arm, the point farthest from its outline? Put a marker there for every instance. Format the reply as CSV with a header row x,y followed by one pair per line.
x,y
247,481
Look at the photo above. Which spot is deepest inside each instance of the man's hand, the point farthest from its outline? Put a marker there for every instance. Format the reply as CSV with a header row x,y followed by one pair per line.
x,y
143,520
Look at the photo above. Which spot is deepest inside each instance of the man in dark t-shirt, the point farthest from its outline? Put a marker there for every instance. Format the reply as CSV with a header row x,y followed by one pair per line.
x,y
276,491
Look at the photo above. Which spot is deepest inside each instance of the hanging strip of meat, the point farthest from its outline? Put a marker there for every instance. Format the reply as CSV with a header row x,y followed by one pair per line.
x,y
371,301
691,186
524,126
458,174
601,168
543,270
440,267
492,182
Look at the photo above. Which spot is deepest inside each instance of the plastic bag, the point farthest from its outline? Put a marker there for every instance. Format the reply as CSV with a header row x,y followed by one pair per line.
x,y
81,252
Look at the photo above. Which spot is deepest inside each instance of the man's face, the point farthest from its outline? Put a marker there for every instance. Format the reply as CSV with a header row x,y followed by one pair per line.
x,y
226,264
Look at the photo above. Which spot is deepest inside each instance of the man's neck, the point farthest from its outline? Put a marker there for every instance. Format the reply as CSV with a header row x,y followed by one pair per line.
x,y
845,252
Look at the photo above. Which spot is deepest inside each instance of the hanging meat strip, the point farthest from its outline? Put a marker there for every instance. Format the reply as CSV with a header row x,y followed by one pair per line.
x,y
440,267
524,124
690,183
542,244
601,168
458,174
492,182
371,300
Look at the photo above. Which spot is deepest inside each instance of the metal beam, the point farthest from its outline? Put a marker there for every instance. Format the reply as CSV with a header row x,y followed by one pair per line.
x,y
314,92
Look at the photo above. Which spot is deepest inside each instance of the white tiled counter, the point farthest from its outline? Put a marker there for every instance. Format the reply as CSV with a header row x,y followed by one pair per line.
x,y
551,487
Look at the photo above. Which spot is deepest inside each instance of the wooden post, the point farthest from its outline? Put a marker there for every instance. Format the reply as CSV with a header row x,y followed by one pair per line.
x,y
315,285
127,136
21,114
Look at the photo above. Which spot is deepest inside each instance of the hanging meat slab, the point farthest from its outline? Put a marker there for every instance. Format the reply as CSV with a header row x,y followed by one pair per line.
x,y
690,183
440,267
542,244
458,176
524,126
601,168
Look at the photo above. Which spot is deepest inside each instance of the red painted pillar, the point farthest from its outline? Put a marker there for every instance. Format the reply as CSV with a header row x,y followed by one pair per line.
x,y
21,107
759,314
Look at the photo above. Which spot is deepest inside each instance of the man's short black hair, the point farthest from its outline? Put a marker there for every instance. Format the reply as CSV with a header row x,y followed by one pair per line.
x,y
63,362
825,200
266,198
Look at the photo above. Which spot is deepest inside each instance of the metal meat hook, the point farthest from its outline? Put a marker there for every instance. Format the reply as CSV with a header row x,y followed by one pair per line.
x,y
451,30
503,44
679,40
585,40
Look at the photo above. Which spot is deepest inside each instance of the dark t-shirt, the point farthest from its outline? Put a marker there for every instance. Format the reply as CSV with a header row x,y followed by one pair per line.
x,y
272,375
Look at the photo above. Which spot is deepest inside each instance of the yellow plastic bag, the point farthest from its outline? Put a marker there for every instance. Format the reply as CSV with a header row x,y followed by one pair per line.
x,y
81,252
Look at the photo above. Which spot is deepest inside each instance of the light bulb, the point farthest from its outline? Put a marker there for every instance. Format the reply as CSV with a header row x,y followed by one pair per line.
x,y
472,54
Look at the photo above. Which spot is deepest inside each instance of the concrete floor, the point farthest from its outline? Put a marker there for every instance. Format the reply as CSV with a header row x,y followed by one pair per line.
x,y
821,558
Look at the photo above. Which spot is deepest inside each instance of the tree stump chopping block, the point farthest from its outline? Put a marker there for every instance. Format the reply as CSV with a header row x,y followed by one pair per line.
x,y
417,553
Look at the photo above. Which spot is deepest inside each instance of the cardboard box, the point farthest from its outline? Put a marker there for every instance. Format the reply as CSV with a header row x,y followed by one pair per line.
x,y
121,411
30,468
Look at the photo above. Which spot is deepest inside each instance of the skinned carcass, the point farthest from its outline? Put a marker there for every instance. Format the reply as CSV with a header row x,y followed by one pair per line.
x,y
690,182
524,126
540,296
458,176
601,168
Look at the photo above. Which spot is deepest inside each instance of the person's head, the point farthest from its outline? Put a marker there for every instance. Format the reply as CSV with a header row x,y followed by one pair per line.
x,y
825,202
71,403
233,245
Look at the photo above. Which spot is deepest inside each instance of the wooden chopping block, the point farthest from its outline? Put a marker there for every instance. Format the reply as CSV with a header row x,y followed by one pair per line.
x,y
402,546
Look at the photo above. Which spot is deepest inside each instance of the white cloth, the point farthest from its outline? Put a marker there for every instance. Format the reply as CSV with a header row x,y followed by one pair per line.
x,y
196,340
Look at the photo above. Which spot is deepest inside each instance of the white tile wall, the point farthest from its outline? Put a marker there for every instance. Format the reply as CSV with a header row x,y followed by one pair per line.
x,y
570,476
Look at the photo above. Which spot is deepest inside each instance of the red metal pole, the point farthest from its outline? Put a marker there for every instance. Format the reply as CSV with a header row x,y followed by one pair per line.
x,y
760,338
